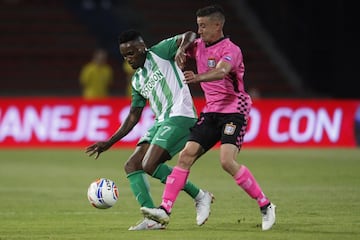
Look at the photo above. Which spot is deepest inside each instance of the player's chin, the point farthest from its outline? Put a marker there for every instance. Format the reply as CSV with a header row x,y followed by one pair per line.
x,y
134,65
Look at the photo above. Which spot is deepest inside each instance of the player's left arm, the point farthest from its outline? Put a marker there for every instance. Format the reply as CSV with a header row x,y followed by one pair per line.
x,y
219,72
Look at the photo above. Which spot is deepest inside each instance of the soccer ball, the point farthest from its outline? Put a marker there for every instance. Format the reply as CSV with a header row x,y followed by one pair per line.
x,y
102,193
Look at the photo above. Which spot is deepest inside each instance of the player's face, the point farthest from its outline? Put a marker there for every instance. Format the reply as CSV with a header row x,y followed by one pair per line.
x,y
208,29
134,53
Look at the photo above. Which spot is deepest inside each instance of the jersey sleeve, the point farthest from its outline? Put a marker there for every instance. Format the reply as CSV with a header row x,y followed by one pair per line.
x,y
167,48
231,55
136,99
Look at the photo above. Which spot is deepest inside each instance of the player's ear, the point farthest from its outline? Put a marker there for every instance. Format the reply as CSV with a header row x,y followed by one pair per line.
x,y
141,47
141,50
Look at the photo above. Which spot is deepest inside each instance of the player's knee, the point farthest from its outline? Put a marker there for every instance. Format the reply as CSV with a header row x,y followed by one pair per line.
x,y
149,167
132,165
186,158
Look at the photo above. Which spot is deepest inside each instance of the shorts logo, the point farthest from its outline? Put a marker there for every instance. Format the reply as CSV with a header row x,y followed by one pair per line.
x,y
229,129
159,139
211,63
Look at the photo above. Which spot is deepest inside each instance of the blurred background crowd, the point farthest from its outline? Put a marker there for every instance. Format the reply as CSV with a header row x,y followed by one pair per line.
x,y
304,49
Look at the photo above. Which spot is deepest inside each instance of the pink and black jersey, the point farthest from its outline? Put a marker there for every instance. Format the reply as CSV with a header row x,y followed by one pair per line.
x,y
225,95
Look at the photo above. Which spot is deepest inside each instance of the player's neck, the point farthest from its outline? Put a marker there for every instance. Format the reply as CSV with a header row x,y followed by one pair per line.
x,y
220,38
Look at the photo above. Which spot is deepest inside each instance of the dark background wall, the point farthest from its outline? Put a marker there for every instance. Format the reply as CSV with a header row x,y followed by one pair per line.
x,y
43,44
319,38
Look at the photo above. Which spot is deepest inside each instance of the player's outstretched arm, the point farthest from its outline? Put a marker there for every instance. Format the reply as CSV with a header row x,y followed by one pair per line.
x,y
131,120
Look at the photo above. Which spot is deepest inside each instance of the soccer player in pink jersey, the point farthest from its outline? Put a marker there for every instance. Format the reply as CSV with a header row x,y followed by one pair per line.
x,y
220,70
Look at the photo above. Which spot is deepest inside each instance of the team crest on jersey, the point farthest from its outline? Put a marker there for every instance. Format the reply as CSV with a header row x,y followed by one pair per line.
x,y
211,62
229,129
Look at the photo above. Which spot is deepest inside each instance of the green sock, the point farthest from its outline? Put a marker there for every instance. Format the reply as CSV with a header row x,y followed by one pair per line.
x,y
140,187
163,170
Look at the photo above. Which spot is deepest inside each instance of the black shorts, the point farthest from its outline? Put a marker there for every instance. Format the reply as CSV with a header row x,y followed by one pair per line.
x,y
214,127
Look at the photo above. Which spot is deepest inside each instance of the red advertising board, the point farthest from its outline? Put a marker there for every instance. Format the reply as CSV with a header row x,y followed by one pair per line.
x,y
74,122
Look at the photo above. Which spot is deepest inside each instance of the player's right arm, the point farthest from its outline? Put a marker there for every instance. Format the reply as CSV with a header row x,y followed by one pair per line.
x,y
219,72
183,43
131,120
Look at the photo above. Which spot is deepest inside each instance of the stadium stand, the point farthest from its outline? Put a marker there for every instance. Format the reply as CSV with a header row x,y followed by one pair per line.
x,y
43,46
45,43
261,73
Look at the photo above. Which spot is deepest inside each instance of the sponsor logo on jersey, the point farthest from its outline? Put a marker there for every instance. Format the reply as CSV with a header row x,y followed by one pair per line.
x,y
150,84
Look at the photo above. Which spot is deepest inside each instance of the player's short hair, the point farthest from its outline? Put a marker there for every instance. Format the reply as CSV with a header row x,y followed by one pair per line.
x,y
129,35
214,10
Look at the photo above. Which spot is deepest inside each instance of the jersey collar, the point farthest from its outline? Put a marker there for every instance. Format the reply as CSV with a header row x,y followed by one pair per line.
x,y
213,43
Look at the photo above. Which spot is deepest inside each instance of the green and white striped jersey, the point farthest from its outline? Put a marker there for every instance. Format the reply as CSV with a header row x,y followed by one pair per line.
x,y
160,81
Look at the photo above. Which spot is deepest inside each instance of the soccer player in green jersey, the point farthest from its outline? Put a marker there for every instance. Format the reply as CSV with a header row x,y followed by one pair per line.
x,y
158,80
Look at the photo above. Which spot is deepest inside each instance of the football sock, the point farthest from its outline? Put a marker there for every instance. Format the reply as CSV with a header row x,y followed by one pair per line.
x,y
246,181
174,183
140,187
263,209
163,170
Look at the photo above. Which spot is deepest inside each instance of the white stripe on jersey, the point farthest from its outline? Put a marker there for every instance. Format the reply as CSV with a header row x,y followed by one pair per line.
x,y
160,81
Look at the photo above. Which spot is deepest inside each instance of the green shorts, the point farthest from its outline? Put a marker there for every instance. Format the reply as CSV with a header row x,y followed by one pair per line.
x,y
170,134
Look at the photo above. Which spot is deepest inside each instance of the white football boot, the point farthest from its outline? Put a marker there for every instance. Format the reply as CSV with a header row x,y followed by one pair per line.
x,y
147,224
157,214
202,206
268,217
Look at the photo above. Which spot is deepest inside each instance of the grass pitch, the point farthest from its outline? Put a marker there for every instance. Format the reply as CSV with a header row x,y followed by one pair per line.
x,y
317,193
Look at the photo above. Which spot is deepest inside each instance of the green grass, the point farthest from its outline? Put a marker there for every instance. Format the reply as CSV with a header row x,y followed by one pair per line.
x,y
317,191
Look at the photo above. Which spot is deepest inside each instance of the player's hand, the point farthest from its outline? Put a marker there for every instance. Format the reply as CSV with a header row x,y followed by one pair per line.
x,y
97,148
190,77
180,58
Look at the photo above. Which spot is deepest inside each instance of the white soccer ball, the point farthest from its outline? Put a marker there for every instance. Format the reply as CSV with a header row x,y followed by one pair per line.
x,y
103,193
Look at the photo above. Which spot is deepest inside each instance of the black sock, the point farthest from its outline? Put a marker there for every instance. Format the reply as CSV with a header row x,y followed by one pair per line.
x,y
161,207
264,208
